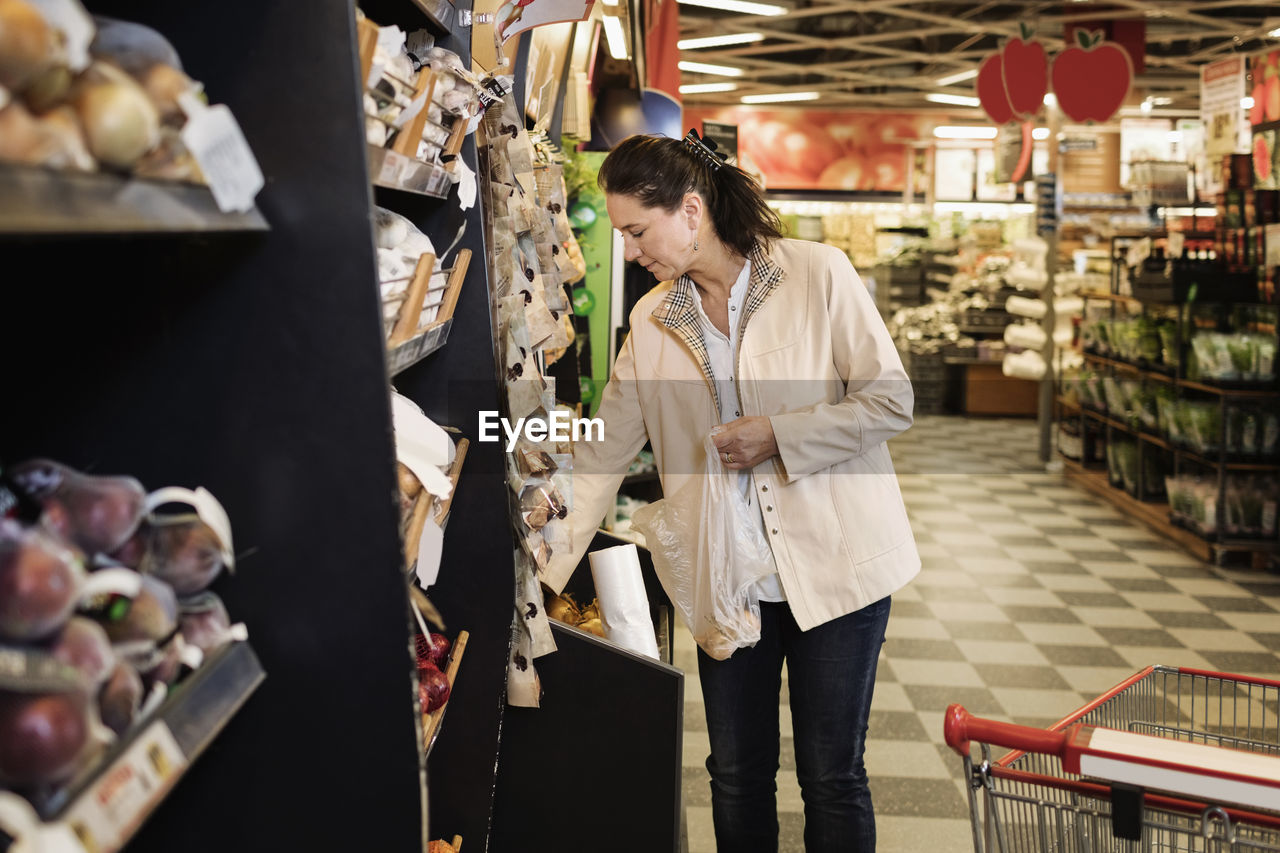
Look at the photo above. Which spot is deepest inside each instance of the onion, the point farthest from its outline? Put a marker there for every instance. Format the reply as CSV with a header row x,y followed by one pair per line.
x,y
163,85
120,698
28,45
119,119
40,581
41,735
433,688
63,145
20,135
49,88
84,645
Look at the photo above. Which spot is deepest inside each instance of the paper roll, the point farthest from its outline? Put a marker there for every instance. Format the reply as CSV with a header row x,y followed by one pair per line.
x,y
624,606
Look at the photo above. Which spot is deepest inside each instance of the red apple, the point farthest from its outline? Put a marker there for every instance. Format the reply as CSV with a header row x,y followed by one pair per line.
x,y
1091,81
991,94
1025,72
433,688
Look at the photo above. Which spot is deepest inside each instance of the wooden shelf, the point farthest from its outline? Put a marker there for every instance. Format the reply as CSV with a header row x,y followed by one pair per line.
x,y
1227,392
394,171
103,811
40,201
1109,297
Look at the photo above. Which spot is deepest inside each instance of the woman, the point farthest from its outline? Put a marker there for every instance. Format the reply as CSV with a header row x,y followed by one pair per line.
x,y
777,343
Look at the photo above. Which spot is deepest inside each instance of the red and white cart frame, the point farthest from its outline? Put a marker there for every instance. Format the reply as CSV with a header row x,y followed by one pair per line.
x,y
1168,760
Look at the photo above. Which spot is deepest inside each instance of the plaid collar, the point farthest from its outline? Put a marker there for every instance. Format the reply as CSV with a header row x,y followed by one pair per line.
x,y
679,313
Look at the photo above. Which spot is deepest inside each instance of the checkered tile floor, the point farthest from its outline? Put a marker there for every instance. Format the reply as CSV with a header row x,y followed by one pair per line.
x,y
1035,597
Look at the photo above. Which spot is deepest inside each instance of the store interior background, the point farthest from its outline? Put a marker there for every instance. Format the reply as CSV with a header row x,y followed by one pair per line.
x,y
1092,477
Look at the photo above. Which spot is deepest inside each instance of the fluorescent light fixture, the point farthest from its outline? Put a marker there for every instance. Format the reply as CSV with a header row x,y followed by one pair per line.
x,y
740,6
958,77
1050,100
1246,103
704,68
964,132
718,41
616,39
1040,133
609,3
706,88
780,97
1275,34
1145,106
958,100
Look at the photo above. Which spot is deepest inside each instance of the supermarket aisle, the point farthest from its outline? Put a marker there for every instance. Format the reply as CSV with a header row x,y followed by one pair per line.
x,y
1034,598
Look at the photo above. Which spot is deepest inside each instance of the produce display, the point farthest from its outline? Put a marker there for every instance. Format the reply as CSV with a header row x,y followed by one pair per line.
x,y
88,94
104,607
420,100
1240,357
1248,510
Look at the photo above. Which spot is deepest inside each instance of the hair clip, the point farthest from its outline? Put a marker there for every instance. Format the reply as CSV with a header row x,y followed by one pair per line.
x,y
705,150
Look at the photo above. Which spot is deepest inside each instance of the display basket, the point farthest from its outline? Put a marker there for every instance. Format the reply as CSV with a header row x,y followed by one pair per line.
x,y
1168,760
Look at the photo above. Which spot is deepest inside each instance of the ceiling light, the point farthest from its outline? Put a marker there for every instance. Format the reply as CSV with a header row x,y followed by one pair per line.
x,y
609,2
1050,100
1246,103
958,100
958,77
704,68
1145,106
740,6
1160,102
719,41
706,88
1040,133
964,132
614,36
1275,34
780,97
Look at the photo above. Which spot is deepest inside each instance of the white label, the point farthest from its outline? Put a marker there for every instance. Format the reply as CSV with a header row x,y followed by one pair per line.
x,y
207,507
72,19
216,142
391,168
108,813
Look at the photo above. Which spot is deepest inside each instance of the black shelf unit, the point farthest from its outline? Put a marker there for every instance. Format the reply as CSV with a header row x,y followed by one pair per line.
x,y
252,362
1219,463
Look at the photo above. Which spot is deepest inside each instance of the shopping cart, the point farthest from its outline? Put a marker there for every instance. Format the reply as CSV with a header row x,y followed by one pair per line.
x,y
1168,760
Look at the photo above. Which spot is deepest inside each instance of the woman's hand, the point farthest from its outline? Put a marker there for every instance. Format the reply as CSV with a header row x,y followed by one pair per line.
x,y
746,442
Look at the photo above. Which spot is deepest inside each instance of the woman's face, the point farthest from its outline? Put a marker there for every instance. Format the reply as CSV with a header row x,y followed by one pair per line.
x,y
659,241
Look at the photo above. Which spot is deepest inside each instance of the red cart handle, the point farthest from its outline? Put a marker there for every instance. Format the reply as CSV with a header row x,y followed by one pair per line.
x,y
960,727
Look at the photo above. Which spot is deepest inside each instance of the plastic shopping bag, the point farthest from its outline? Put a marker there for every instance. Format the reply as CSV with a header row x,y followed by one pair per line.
x,y
709,556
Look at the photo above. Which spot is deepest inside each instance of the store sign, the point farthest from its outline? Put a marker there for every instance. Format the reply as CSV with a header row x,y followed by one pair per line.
x,y
1226,122
724,135
1048,204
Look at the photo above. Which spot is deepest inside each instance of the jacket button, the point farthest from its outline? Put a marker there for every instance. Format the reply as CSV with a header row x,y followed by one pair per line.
x,y
774,531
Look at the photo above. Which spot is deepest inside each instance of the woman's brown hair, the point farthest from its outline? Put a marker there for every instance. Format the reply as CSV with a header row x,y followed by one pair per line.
x,y
658,171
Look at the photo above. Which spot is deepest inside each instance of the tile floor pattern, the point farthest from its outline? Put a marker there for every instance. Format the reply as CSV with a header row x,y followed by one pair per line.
x,y
1035,597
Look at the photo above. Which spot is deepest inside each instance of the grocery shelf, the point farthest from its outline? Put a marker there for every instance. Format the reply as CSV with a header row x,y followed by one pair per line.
x,y
417,348
105,810
395,171
1227,390
37,201
1127,366
1108,297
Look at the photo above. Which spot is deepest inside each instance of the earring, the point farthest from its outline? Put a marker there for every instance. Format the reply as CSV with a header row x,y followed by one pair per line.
x,y
695,244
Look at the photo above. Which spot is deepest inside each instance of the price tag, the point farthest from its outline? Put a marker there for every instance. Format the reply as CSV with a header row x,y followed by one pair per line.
x,y
391,168
109,811
216,142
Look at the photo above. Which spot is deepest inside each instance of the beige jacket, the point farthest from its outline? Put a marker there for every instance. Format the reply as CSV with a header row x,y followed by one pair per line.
x,y
816,359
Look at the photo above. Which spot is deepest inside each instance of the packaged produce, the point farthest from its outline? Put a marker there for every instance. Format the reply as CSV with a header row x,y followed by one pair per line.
x,y
40,582
96,513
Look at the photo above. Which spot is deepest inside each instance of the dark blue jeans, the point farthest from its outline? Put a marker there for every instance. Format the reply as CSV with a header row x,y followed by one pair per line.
x,y
831,671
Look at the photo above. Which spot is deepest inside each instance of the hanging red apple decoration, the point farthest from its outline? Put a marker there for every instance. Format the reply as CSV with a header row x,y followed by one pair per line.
x,y
1092,80
991,93
1024,70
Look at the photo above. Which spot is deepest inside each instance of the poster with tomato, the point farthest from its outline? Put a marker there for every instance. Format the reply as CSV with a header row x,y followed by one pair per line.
x,y
799,149
1264,79
1265,160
